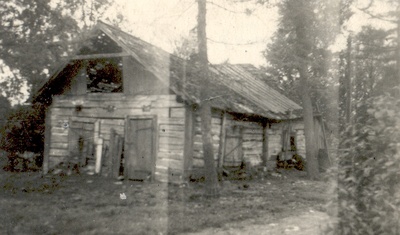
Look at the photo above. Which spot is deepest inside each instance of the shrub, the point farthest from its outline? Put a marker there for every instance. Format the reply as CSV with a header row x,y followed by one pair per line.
x,y
24,130
368,172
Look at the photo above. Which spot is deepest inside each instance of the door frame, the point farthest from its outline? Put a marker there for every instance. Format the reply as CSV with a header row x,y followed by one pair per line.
x,y
155,139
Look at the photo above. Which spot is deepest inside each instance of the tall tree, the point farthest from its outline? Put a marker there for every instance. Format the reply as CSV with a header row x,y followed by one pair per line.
x,y
212,188
391,16
35,34
299,55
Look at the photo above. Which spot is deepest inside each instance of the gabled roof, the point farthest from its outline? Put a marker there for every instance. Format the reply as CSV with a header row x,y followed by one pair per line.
x,y
236,88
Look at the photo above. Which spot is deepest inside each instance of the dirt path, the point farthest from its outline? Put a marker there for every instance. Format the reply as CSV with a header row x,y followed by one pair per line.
x,y
308,223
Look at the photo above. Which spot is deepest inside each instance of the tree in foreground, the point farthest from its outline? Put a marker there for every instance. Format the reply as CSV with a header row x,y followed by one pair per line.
x,y
211,177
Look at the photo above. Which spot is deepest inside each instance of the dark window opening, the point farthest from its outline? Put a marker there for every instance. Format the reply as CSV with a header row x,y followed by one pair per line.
x,y
292,143
104,75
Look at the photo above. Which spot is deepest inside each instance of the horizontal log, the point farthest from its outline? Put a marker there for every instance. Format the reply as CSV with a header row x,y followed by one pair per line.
x,y
172,134
83,119
113,122
54,145
171,127
171,120
120,113
59,130
177,112
162,147
171,141
170,155
59,138
59,152
170,163
62,111
135,102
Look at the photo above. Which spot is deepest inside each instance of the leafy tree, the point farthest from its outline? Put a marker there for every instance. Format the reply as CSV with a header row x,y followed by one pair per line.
x,y
365,173
300,59
5,108
391,16
24,130
37,33
368,185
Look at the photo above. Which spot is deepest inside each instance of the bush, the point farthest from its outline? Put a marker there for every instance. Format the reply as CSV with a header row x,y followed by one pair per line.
x,y
24,130
368,173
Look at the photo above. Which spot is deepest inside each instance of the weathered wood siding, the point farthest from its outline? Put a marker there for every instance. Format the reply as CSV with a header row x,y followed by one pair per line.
x,y
275,133
68,113
251,140
198,159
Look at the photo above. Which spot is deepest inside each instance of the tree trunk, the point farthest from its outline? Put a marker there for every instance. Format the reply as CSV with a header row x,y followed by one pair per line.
x,y
398,52
309,133
303,49
211,177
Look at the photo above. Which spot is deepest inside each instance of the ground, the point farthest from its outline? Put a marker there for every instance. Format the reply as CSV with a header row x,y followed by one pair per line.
x,y
285,203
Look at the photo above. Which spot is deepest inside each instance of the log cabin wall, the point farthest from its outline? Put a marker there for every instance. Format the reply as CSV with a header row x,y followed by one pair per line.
x,y
110,111
275,133
247,147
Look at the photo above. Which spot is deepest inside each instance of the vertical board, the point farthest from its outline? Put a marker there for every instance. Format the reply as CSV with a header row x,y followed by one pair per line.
x,y
139,148
47,141
115,154
233,146
189,134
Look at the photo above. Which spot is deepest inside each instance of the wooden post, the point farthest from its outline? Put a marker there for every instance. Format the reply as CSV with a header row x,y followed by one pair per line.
x,y
221,150
188,147
47,141
116,159
265,143
112,152
99,151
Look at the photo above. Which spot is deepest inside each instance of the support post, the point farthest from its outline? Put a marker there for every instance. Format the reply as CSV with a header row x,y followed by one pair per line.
x,y
221,150
265,144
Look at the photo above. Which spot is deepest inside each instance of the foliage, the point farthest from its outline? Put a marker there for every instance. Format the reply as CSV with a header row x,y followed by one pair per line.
x,y
368,179
24,130
36,33
5,107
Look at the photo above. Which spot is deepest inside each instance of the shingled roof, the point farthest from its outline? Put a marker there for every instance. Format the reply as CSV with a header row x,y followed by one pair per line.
x,y
235,87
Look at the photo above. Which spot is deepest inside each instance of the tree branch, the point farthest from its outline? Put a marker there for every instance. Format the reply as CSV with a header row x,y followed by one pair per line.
x,y
379,17
235,44
247,11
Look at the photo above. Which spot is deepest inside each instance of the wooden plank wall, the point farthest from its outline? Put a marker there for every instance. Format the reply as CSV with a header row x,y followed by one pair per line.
x,y
253,143
275,138
198,159
111,110
252,140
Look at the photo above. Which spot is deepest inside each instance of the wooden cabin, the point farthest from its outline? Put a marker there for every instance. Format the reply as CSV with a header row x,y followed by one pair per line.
x,y
121,106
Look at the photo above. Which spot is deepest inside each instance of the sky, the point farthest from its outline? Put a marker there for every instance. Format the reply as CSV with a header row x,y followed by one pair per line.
x,y
234,36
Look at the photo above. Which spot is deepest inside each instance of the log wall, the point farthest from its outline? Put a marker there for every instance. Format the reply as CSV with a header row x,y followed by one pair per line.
x,y
69,114
252,139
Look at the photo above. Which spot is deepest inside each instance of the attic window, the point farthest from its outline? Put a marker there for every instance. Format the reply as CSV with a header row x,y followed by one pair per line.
x,y
104,75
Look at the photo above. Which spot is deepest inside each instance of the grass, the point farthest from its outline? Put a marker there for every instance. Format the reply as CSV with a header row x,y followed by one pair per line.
x,y
80,204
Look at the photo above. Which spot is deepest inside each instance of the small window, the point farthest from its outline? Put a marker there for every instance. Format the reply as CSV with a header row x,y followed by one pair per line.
x,y
293,143
104,75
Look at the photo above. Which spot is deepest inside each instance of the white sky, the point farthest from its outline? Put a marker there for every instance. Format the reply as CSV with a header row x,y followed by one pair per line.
x,y
235,37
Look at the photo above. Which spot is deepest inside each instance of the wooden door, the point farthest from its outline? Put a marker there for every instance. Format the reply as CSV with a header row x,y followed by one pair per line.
x,y
139,153
233,146
80,142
